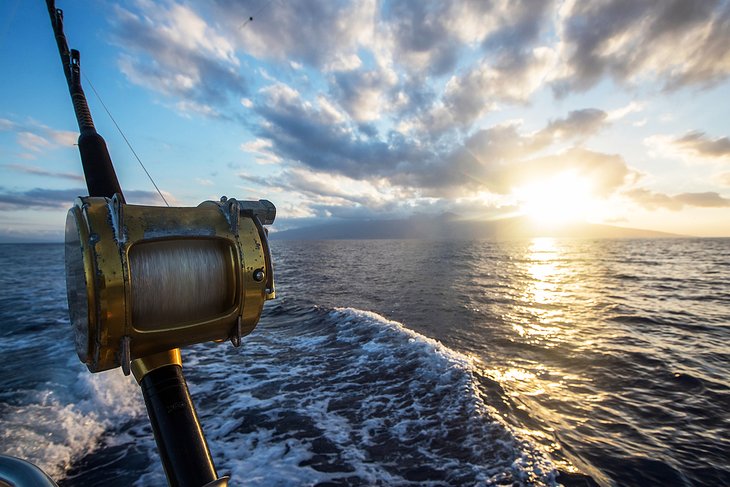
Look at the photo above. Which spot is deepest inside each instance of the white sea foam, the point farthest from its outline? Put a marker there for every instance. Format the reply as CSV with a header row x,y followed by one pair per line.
x,y
351,395
52,433
444,368
360,397
49,434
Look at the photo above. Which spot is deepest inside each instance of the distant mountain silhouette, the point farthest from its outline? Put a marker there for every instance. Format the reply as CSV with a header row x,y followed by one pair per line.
x,y
450,227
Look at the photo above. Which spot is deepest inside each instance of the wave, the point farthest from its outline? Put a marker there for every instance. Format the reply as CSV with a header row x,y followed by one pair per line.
x,y
344,395
315,395
43,427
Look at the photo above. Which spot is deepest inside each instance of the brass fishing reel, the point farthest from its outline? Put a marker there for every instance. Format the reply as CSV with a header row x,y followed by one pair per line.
x,y
142,280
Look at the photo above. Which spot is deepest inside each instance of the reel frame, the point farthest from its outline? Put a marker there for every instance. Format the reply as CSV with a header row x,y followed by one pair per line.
x,y
104,236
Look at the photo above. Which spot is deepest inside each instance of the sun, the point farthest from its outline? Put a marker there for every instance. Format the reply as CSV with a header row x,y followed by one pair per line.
x,y
557,200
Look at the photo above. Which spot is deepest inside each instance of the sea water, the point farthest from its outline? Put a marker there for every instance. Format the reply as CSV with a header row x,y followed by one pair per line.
x,y
536,362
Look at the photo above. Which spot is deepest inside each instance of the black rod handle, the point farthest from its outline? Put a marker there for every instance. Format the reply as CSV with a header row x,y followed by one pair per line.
x,y
180,440
101,179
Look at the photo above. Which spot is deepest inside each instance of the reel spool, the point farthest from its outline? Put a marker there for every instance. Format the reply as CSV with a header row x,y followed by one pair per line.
x,y
142,280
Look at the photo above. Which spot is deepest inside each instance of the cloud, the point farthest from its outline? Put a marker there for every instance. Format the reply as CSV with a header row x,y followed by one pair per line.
x,y
472,93
38,198
430,36
45,198
33,142
173,50
396,97
705,200
204,182
693,146
42,172
385,57
261,149
495,159
502,157
579,124
430,39
699,144
652,200
499,160
364,93
480,89
605,172
723,179
188,108
420,36
36,137
6,125
333,189
381,56
622,112
311,134
323,195
315,32
676,42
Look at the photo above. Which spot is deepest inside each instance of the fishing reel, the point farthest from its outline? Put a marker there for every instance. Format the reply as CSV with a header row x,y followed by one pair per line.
x,y
142,280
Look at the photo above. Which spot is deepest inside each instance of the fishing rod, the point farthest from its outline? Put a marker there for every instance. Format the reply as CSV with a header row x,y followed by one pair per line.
x,y
101,180
143,281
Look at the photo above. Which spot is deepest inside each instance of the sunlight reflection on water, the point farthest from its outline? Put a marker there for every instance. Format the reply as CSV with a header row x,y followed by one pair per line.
x,y
614,349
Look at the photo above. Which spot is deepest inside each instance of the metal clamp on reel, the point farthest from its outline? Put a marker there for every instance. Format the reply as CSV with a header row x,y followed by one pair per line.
x,y
143,280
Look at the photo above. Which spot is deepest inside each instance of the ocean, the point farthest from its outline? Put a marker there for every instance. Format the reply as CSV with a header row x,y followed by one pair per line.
x,y
405,362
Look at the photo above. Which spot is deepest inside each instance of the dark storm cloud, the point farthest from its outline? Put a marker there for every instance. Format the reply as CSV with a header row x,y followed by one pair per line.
x,y
681,42
700,144
652,200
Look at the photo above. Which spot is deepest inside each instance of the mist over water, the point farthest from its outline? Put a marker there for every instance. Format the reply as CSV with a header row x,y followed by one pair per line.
x,y
537,362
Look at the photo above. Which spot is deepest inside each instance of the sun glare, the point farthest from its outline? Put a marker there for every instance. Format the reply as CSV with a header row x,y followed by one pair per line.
x,y
563,198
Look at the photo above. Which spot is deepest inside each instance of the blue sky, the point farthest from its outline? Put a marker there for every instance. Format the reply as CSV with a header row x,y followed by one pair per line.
x,y
610,111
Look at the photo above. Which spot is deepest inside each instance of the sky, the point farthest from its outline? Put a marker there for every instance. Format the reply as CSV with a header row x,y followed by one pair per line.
x,y
608,111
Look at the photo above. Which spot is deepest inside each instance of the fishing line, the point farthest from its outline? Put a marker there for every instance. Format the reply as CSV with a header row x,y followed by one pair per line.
x,y
250,19
124,137
173,281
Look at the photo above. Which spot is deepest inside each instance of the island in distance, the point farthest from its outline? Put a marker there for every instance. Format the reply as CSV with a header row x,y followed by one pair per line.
x,y
451,227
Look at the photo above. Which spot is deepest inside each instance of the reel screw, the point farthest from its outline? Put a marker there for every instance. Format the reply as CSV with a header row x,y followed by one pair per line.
x,y
258,275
